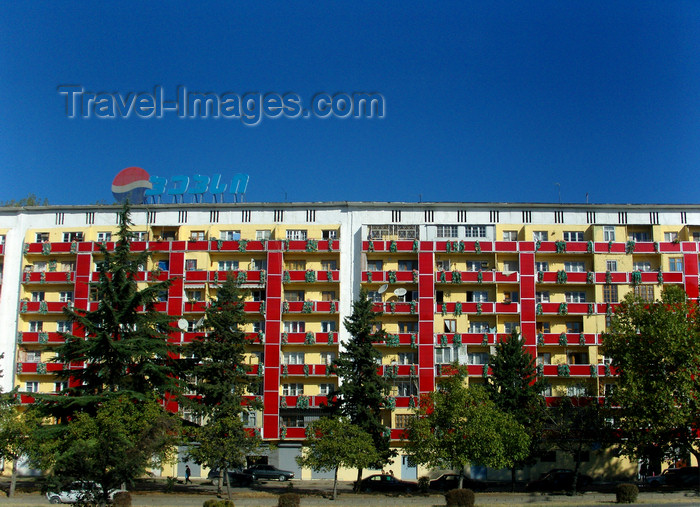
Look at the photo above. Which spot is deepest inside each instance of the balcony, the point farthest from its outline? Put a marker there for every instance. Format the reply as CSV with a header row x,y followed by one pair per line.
x,y
43,307
48,277
40,337
309,338
390,276
305,370
396,307
310,276
476,277
309,307
27,368
486,308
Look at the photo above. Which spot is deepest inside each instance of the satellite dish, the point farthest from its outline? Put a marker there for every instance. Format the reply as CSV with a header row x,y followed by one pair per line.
x,y
400,291
383,288
199,323
182,324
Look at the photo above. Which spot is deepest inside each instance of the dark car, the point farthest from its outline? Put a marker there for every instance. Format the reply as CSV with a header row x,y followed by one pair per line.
x,y
268,472
560,479
236,477
681,477
446,482
386,483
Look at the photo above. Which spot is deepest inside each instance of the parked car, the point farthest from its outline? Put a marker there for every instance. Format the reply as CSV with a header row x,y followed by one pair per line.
x,y
560,479
387,483
80,492
679,477
236,477
447,482
268,472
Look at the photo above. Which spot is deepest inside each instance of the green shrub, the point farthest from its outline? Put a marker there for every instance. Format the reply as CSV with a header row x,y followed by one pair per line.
x,y
460,498
213,502
122,499
289,500
170,484
424,483
626,493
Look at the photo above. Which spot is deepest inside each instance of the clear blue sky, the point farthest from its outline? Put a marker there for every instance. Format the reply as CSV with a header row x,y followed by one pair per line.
x,y
485,101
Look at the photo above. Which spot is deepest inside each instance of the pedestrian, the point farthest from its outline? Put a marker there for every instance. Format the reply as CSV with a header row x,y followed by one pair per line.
x,y
188,472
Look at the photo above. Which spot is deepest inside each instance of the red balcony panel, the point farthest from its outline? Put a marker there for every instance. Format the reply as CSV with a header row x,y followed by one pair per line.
x,y
673,277
650,277
54,367
550,370
2,249
297,246
251,306
196,276
666,247
506,307
475,370
689,246
576,247
26,399
473,276
161,306
295,369
547,247
28,368
296,434
178,246
198,246
139,246
159,246
51,306
196,307
580,370
644,247
296,338
398,434
472,338
605,247
506,246
49,277
507,278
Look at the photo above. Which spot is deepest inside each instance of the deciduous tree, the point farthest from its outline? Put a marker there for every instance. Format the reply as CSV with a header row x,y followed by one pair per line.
x,y
335,443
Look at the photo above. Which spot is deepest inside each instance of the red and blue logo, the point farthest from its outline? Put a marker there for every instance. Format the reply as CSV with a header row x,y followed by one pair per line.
x,y
131,184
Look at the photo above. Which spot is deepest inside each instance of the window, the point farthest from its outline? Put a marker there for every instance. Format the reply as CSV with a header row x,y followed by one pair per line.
x,y
72,236
443,355
60,386
31,387
477,296
670,236
67,267
642,266
439,297
447,231
375,265
249,418
139,235
540,235
509,327
406,388
511,296
292,389
578,357
194,295
162,296
263,235
294,326
258,264
542,266
450,325
544,358
327,357
33,356
443,265
164,265
638,236
575,266
696,236
408,327
407,265
197,236
610,294
296,265
38,296
675,264
510,235
41,237
575,297
104,236
608,389
230,235
258,295
542,297
294,295
547,391
573,327
645,292
478,357
328,295
192,326
329,234
327,326
576,390
329,265
477,265
478,327
475,231
407,358
608,233
228,265
65,296
573,235
542,327
296,234
191,265
611,265
403,420
375,296
294,358
292,421
63,326
510,266
326,389
258,326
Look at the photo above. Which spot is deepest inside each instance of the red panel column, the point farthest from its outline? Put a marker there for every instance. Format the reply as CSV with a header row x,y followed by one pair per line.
x,y
426,317
81,294
690,272
528,306
273,325
176,271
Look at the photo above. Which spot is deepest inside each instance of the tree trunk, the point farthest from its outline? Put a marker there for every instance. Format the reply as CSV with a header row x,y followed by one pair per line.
x,y
228,485
512,479
335,483
219,482
356,488
576,467
461,477
13,481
